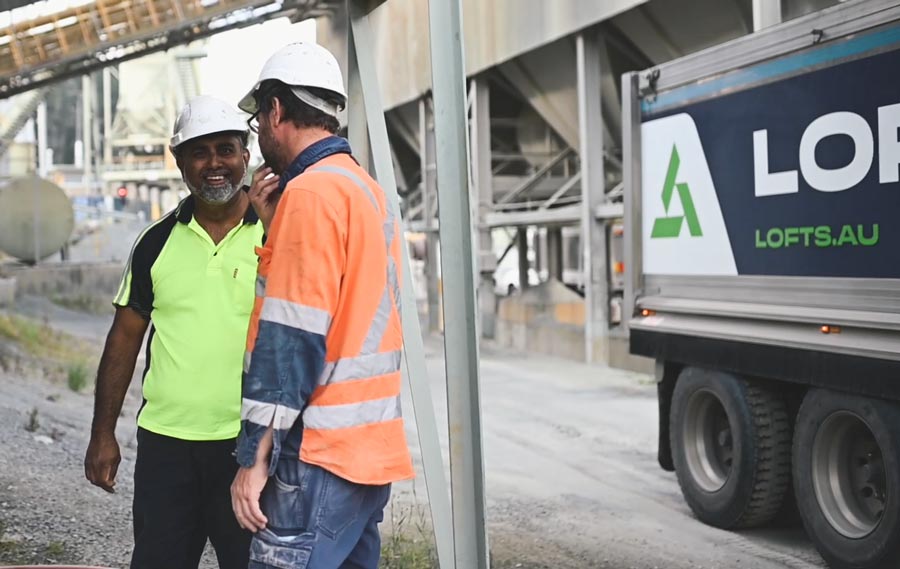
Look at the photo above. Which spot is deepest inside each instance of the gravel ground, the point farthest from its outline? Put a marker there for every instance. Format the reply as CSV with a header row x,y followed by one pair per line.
x,y
45,501
571,475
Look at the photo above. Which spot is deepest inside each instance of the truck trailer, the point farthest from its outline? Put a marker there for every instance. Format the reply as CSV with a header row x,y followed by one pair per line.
x,y
762,215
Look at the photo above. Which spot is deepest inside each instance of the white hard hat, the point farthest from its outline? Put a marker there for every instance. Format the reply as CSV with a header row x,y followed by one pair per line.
x,y
206,115
302,65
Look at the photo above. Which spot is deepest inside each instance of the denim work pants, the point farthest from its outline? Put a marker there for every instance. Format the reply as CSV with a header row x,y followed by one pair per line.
x,y
182,496
318,521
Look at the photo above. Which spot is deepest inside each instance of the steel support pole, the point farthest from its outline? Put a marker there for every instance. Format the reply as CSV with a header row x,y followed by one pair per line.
x,y
43,165
481,160
414,350
631,178
429,193
766,13
86,128
555,253
357,131
107,118
460,328
522,250
593,233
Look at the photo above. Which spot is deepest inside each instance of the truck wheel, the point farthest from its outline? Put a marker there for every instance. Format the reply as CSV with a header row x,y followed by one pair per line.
x,y
731,444
847,478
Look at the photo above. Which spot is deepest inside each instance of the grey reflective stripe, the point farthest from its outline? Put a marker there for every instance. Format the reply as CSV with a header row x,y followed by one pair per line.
x,y
353,178
295,315
260,286
392,289
266,414
394,285
352,415
379,324
361,367
248,355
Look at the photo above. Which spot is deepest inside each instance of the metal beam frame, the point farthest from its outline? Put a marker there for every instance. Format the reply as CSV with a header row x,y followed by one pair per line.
x,y
414,352
766,13
460,331
481,161
631,179
589,57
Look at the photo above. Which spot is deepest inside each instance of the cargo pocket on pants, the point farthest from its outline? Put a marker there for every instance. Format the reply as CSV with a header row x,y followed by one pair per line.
x,y
282,552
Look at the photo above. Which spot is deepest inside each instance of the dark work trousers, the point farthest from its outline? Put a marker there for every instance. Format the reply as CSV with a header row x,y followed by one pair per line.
x,y
182,496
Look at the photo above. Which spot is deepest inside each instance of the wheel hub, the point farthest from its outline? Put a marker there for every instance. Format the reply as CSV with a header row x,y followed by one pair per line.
x,y
708,440
848,475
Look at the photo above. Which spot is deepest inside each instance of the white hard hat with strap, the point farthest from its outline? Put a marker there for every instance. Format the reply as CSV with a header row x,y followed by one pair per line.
x,y
302,66
206,115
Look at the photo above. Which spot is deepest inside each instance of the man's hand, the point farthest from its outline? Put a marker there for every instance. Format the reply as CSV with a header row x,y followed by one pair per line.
x,y
101,462
263,195
245,492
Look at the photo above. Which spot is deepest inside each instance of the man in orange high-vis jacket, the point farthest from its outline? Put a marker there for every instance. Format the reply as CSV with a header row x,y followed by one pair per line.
x,y
322,436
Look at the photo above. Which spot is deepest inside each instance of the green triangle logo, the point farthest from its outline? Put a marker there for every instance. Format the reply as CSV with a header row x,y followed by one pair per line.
x,y
665,227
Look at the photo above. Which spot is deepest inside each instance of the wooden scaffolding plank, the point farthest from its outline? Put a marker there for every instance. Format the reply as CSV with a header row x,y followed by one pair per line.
x,y
61,37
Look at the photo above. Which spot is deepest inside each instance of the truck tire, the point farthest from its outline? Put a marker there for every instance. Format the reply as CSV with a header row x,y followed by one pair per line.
x,y
847,478
731,444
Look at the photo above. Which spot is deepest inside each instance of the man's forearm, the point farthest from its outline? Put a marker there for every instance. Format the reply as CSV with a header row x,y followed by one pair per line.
x,y
113,377
264,450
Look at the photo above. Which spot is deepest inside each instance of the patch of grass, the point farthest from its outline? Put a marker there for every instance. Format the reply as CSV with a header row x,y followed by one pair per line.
x,y
410,543
78,377
59,355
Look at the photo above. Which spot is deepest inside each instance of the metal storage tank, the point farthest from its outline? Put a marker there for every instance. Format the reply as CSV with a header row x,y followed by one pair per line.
x,y
36,218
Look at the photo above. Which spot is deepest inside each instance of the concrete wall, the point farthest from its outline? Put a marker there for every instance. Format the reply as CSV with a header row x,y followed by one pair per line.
x,y
67,279
549,319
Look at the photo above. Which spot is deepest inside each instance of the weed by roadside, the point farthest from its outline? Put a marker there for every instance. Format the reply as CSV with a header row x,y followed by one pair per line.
x,y
33,424
78,377
409,543
58,355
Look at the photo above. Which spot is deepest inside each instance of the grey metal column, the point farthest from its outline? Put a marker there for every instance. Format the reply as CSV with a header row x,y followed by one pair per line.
x,y
107,118
429,193
86,119
522,250
481,160
357,132
460,330
593,233
43,167
766,13
631,178
414,350
555,253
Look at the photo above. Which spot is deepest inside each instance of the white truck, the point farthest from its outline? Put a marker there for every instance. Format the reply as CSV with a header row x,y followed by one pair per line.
x,y
762,215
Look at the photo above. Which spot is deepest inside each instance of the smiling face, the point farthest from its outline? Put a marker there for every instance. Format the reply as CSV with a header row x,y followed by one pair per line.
x,y
213,166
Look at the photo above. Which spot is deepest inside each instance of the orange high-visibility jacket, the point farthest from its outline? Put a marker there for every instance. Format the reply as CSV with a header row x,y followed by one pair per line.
x,y
324,343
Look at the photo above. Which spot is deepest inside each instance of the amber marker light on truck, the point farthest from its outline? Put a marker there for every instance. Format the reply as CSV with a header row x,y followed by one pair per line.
x,y
826,329
647,312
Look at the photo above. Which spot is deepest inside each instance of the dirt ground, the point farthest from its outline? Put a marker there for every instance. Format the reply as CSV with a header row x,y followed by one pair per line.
x,y
570,452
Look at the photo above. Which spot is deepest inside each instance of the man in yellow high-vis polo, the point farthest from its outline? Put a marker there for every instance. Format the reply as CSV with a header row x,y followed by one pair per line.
x,y
191,279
